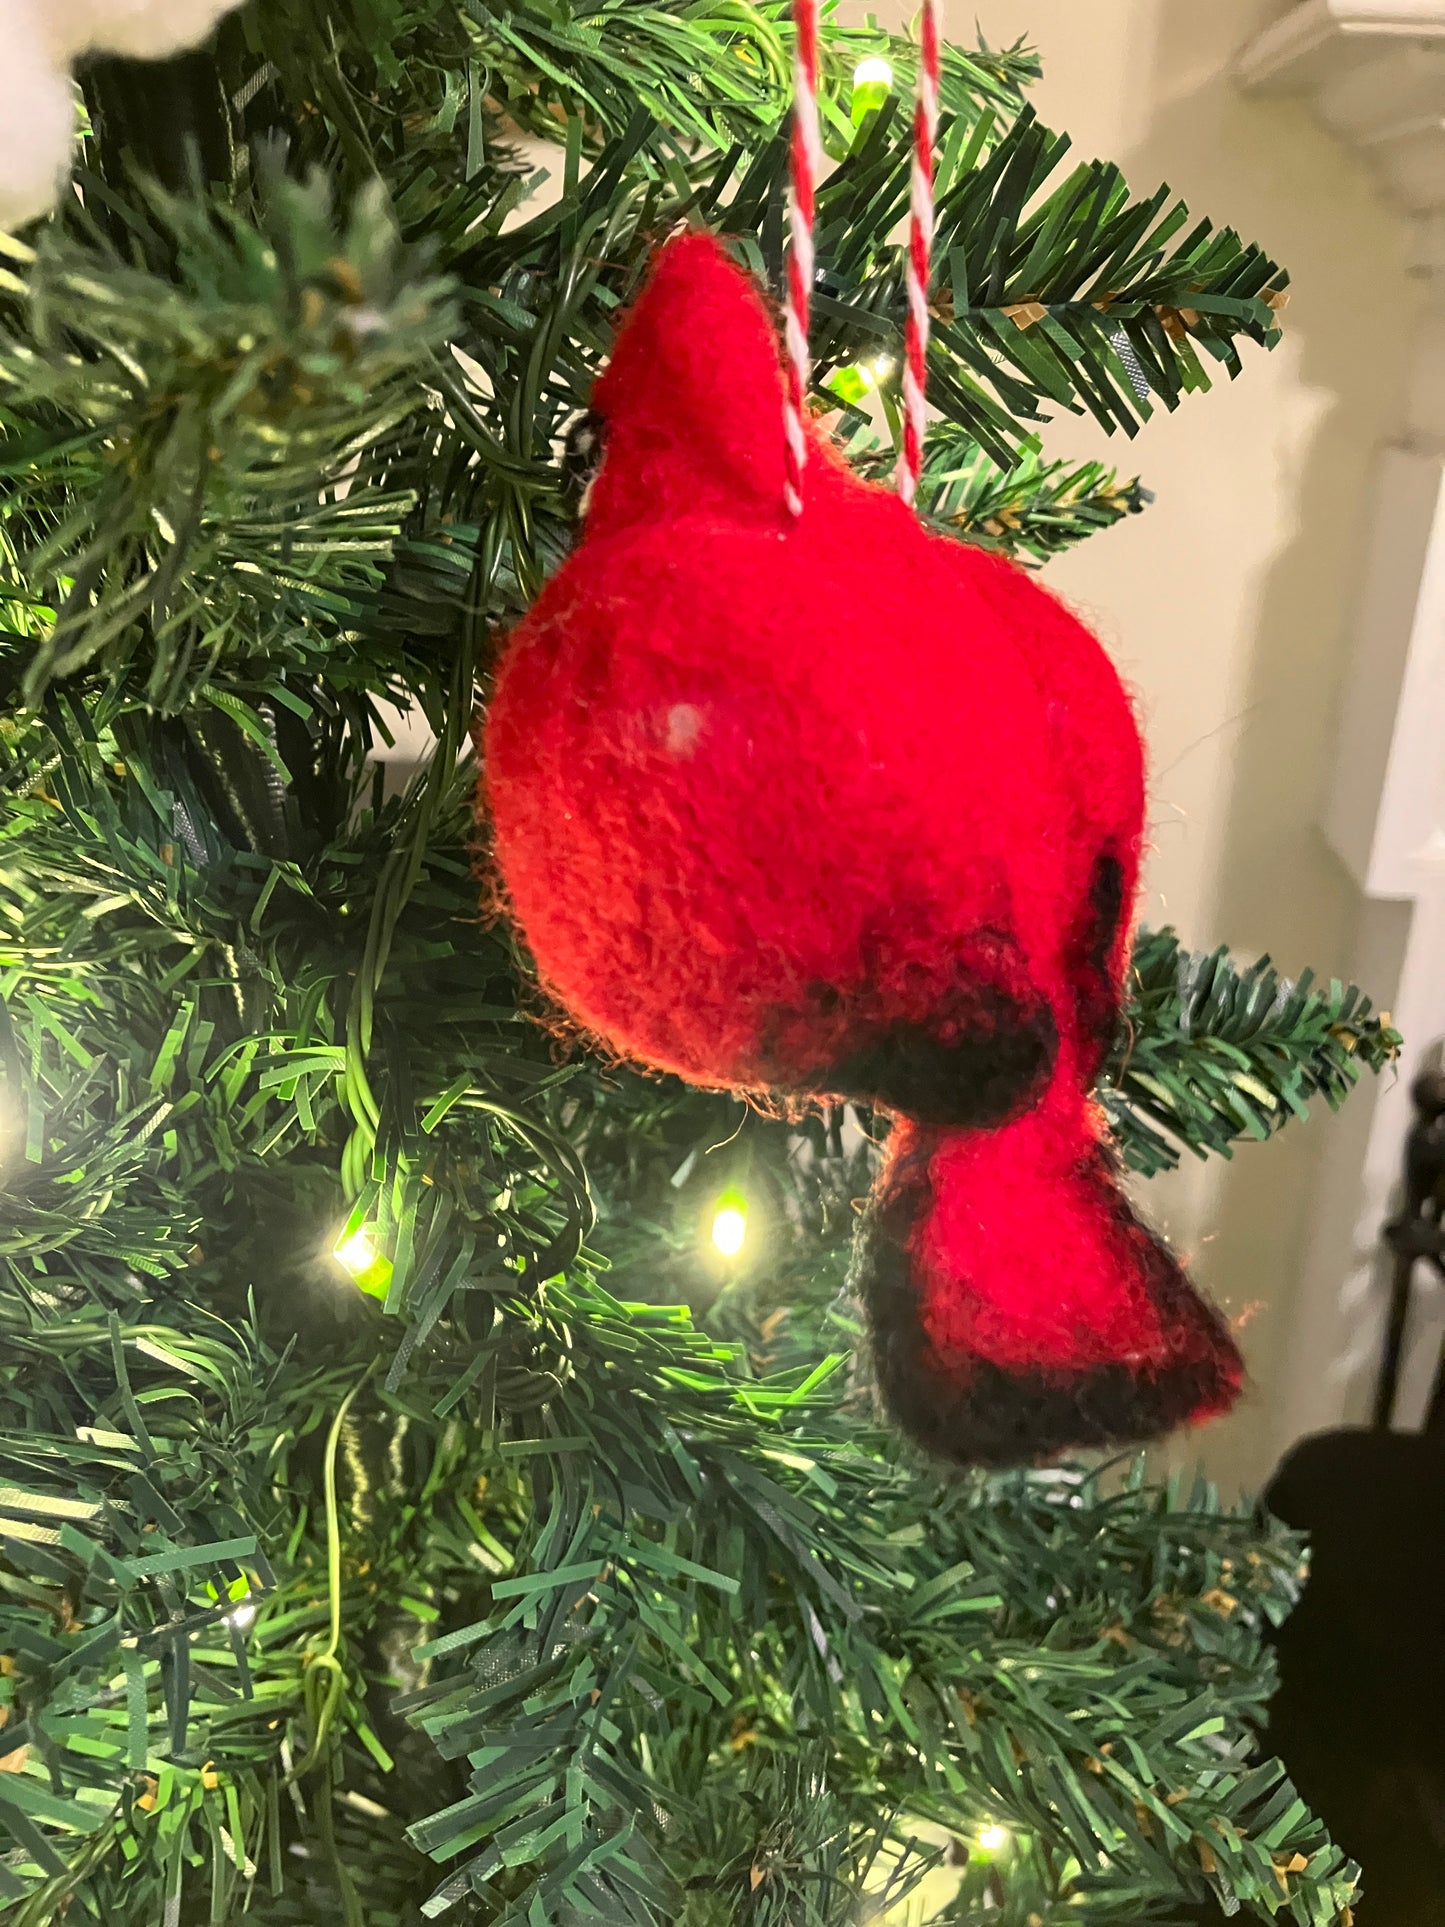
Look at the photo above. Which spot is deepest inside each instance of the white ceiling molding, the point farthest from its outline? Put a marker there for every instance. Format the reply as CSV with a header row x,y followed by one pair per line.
x,y
1374,73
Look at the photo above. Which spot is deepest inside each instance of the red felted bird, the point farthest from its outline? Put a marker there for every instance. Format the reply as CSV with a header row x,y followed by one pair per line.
x,y
833,806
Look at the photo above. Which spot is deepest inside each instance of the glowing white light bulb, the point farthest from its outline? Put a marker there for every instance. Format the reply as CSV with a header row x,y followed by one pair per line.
x,y
992,1839
729,1230
241,1617
357,1253
881,367
873,72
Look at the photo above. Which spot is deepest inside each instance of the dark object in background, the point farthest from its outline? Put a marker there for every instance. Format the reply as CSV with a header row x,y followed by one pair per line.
x,y
1359,1719
1360,1715
1418,1232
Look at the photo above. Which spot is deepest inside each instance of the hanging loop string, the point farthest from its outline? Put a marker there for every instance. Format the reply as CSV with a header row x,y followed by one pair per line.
x,y
806,163
920,255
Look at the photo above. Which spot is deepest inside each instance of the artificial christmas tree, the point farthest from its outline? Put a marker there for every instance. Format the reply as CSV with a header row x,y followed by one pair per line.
x,y
434,1484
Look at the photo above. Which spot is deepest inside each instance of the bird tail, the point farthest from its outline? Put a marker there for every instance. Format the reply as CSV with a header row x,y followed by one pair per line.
x,y
1018,1307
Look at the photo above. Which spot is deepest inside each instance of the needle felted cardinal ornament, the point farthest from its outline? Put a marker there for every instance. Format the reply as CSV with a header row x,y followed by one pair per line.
x,y
835,806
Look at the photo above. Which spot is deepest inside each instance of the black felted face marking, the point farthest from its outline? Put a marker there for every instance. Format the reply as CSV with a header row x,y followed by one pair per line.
x,y
582,453
1090,953
978,1079
989,1416
1106,901
944,1044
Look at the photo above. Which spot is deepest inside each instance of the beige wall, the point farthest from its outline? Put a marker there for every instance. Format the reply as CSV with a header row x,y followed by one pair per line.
x,y
1228,603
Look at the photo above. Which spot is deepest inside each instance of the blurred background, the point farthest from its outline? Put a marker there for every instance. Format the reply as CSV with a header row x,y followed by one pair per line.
x,y
1280,612
1234,604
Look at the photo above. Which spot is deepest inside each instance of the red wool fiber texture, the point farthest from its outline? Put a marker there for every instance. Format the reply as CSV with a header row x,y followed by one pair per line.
x,y
832,805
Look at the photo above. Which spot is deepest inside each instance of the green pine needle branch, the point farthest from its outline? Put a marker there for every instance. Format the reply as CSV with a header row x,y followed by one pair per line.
x,y
1032,510
1215,1052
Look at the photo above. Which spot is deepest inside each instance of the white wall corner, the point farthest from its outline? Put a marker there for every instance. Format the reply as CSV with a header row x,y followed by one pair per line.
x,y
1385,810
1373,73
1385,815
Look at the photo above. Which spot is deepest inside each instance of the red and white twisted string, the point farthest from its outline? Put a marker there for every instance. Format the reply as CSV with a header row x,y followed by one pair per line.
x,y
806,165
920,255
